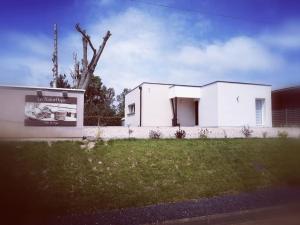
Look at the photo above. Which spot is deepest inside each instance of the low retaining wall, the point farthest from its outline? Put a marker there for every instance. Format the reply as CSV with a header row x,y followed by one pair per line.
x,y
191,132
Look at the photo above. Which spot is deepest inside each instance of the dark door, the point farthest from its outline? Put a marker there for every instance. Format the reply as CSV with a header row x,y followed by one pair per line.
x,y
196,113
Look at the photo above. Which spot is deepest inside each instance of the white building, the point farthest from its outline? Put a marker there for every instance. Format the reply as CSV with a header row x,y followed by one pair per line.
x,y
217,104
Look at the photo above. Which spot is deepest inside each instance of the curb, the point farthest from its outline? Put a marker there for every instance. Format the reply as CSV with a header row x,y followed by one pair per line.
x,y
236,217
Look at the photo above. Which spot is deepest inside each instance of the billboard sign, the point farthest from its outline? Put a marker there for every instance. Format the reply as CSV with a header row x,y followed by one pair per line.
x,y
50,111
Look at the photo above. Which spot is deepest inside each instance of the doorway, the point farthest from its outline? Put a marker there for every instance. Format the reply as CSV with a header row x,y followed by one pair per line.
x,y
196,113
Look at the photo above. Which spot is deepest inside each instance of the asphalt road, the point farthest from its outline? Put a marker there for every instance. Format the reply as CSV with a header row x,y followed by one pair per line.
x,y
200,210
288,214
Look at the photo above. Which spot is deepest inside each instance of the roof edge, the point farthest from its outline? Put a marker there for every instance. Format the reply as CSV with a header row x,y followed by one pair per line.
x,y
287,88
235,82
157,83
40,88
186,85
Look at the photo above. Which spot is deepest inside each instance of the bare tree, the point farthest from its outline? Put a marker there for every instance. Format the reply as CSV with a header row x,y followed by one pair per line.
x,y
82,76
76,72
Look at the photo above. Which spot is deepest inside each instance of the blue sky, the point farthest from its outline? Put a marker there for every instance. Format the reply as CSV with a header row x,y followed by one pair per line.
x,y
173,41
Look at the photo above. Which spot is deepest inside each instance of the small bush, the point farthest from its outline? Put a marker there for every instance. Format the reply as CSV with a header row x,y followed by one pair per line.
x,y
265,134
130,131
180,134
203,133
282,134
154,134
246,131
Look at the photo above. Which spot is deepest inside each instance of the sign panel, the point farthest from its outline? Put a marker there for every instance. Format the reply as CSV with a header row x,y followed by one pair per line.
x,y
50,111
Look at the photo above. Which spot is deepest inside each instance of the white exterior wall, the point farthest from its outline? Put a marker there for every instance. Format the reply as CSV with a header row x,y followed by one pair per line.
x,y
186,112
130,98
185,92
156,106
208,106
185,103
236,104
218,105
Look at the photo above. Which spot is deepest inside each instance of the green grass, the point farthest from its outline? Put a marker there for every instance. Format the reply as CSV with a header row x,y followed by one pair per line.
x,y
63,178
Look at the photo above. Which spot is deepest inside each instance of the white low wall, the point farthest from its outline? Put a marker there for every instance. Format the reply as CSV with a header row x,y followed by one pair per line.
x,y
191,132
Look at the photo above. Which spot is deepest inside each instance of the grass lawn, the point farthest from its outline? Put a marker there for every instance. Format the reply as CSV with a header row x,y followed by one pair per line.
x,y
62,178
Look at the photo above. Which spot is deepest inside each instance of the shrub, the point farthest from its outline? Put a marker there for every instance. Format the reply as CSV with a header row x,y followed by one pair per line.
x,y
282,134
203,133
130,131
246,131
265,134
180,134
154,134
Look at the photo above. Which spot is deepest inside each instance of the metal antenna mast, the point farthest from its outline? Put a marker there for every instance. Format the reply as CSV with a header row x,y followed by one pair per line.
x,y
55,58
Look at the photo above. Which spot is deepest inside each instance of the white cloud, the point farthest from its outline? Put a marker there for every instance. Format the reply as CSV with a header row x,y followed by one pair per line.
x,y
28,61
286,37
145,48
236,54
32,44
31,71
160,48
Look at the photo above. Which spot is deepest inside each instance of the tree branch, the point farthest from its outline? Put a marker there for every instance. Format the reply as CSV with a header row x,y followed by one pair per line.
x,y
85,74
87,37
92,65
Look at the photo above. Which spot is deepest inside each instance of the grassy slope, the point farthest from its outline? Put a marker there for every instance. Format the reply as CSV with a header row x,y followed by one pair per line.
x,y
126,173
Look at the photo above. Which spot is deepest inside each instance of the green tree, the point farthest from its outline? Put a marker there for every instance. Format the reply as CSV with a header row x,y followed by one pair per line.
x,y
99,100
61,82
121,102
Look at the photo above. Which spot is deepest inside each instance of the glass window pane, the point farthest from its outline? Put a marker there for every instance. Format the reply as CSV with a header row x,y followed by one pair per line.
x,y
259,111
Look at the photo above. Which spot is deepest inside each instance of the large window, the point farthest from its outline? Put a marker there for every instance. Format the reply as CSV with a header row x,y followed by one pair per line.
x,y
259,111
131,109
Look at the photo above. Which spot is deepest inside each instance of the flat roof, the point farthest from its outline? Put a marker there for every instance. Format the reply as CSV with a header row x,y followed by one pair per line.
x,y
40,88
185,85
287,89
234,82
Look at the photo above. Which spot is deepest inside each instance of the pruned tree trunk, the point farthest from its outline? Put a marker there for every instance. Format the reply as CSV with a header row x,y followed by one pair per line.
x,y
84,75
84,58
75,74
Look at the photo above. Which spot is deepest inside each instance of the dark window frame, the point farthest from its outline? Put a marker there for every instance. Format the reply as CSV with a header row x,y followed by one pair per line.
x,y
131,109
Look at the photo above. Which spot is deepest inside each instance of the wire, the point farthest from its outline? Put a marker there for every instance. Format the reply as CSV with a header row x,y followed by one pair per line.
x,y
202,12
